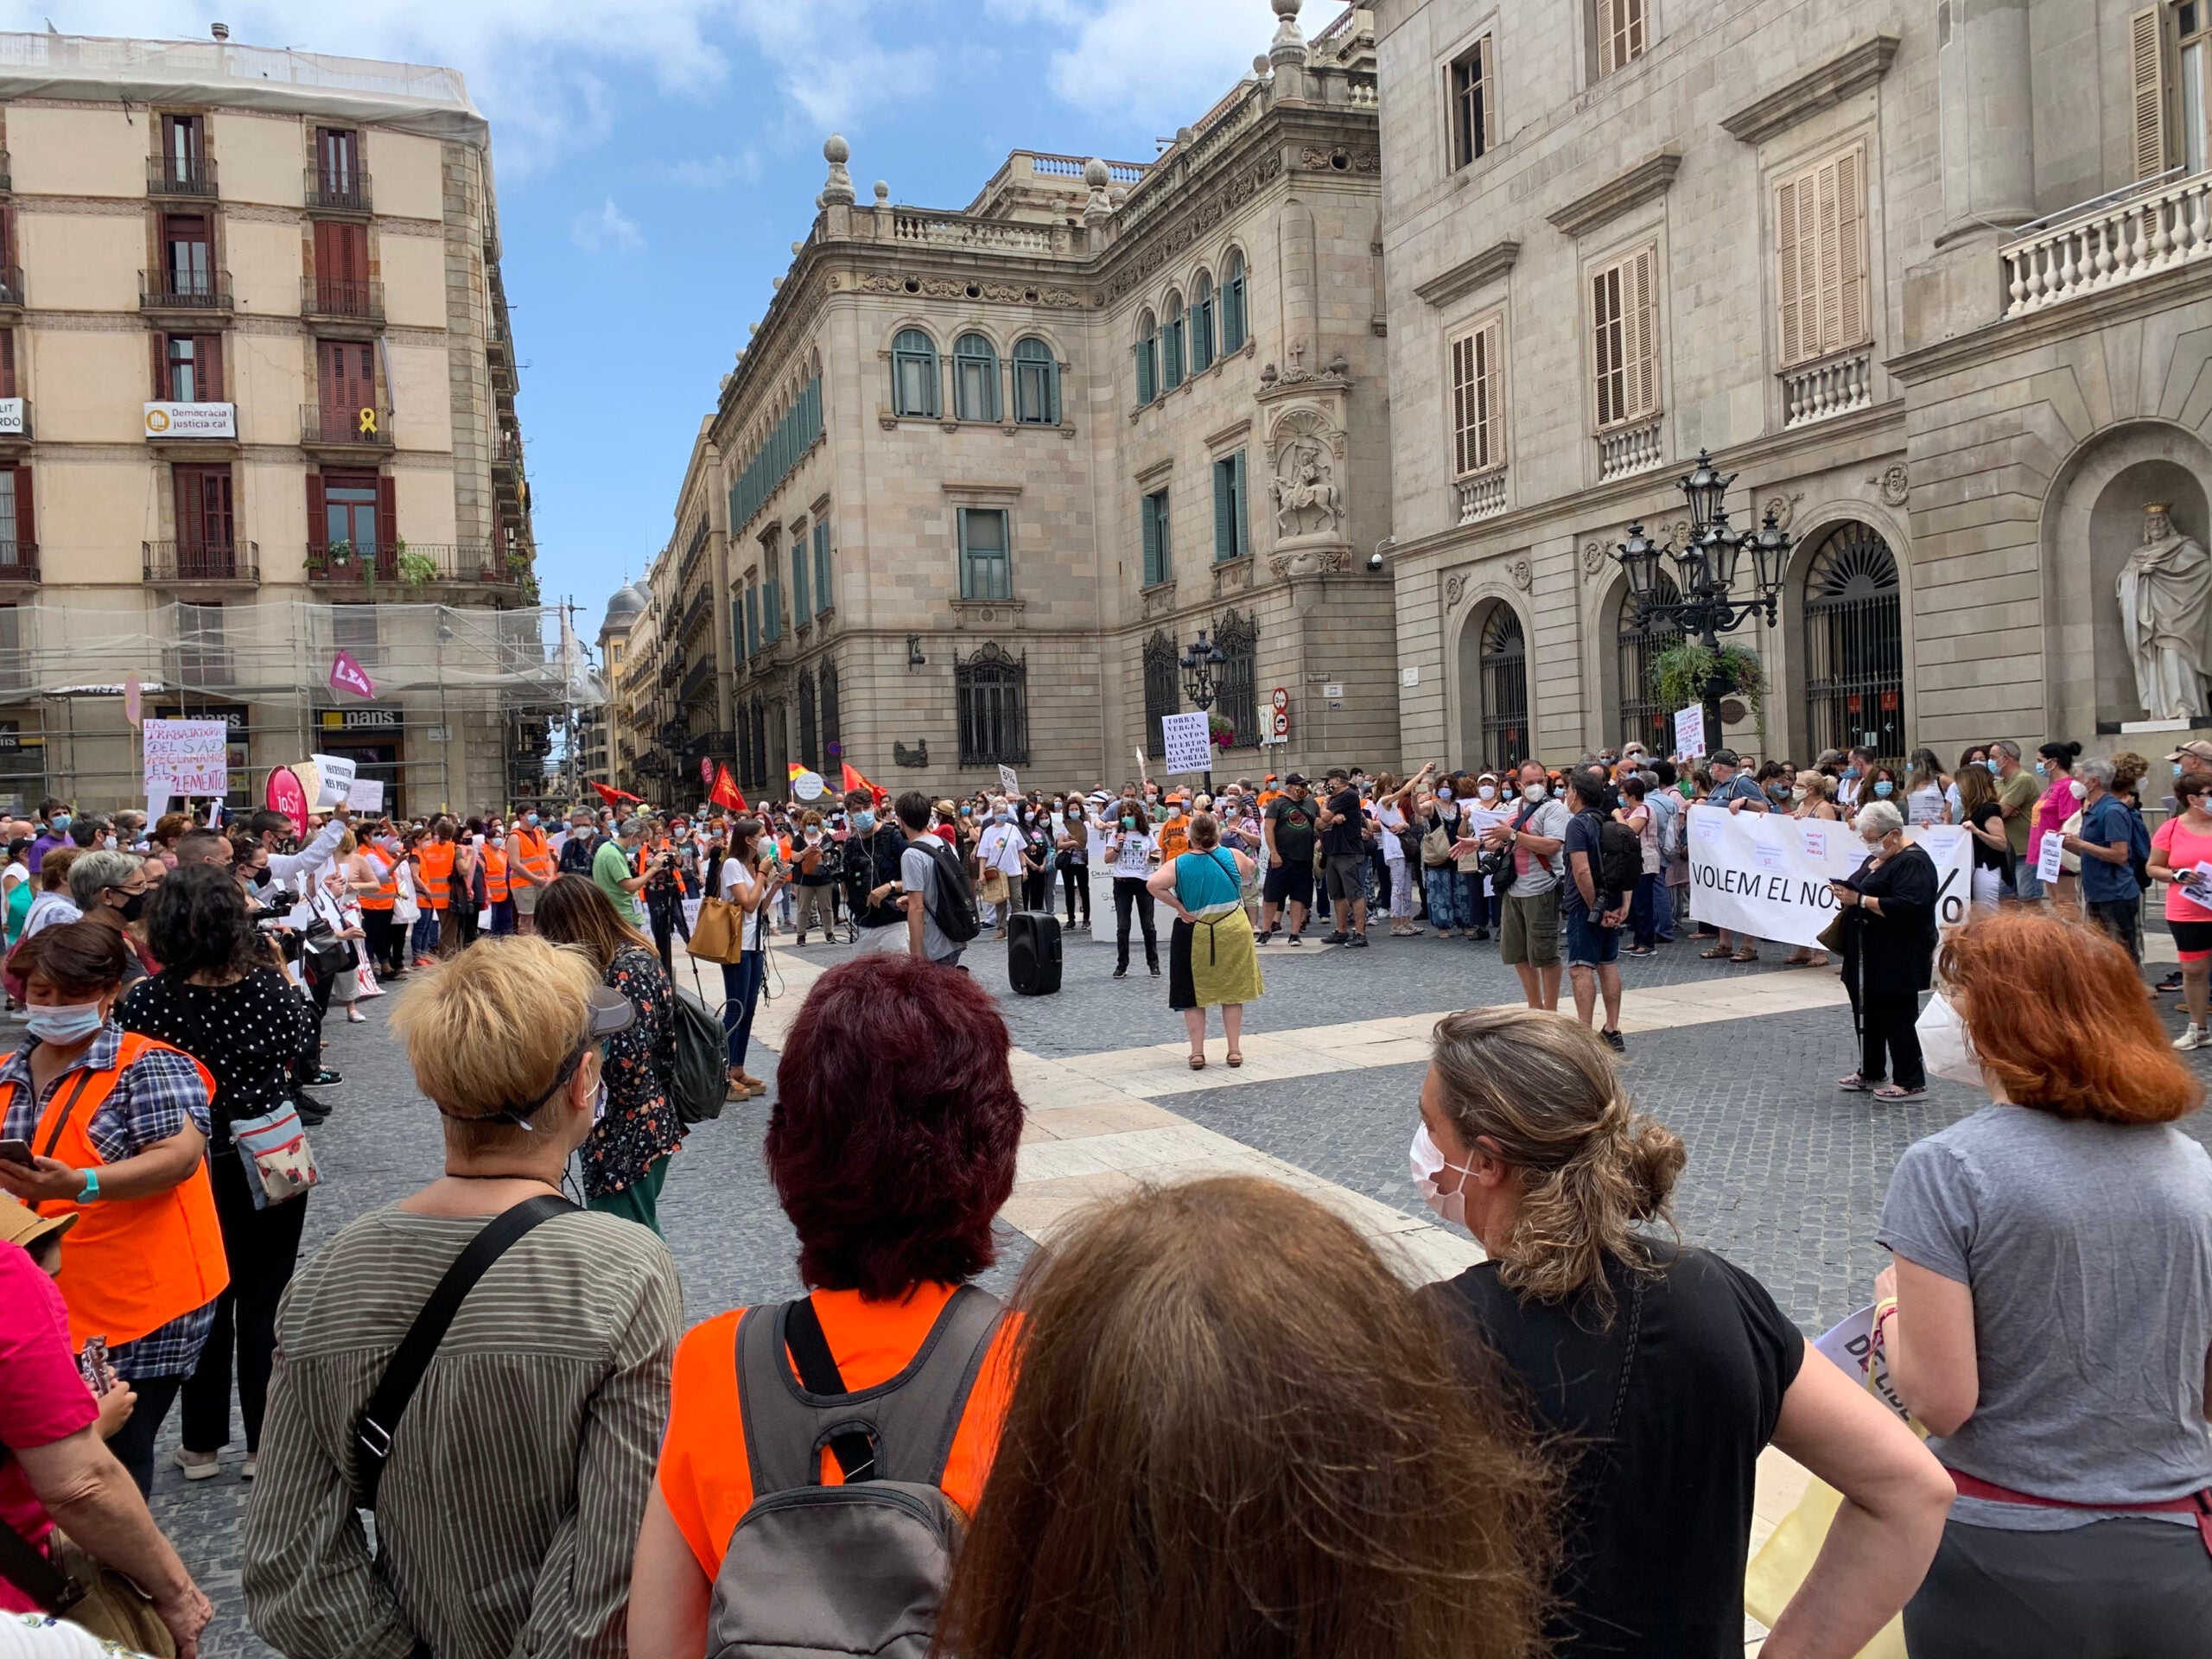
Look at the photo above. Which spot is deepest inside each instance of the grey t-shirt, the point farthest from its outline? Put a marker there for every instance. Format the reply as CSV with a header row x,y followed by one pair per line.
x,y
917,870
1533,874
2088,1250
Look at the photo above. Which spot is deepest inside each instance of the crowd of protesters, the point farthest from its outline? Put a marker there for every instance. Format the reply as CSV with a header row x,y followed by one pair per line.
x,y
1212,1419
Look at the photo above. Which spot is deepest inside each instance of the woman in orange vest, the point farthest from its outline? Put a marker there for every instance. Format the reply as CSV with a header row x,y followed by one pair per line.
x,y
530,868
372,873
498,894
892,1146
433,873
117,1126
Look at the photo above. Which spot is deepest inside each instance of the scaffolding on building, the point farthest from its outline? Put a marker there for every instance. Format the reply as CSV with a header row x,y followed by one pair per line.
x,y
513,680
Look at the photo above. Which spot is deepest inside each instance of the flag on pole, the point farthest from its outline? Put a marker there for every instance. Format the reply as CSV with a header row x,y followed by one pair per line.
x,y
614,796
725,791
347,673
794,771
853,781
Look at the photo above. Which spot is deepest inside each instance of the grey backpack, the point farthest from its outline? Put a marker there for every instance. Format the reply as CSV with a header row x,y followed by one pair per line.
x,y
862,1567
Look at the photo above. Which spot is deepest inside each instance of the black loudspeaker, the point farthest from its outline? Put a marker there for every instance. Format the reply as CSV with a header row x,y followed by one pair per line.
x,y
1033,953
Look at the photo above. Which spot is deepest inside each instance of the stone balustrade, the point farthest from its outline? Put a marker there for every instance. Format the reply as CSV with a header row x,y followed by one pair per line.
x,y
1835,385
1626,449
2115,242
1481,498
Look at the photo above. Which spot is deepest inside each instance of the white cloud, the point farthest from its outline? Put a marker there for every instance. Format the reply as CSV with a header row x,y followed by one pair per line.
x,y
1165,61
716,172
607,230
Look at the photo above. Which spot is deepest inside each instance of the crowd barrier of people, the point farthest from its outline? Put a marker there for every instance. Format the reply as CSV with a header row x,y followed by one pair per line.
x,y
1210,1418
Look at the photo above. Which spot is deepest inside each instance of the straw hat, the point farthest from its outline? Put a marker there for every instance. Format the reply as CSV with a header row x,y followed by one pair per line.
x,y
20,1224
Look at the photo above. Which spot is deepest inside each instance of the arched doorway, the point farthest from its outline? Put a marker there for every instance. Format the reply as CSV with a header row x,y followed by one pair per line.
x,y
1499,707
1854,644
1637,646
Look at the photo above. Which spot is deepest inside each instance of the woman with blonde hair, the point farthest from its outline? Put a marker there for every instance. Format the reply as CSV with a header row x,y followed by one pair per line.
x,y
1234,1433
2053,1307
1664,1369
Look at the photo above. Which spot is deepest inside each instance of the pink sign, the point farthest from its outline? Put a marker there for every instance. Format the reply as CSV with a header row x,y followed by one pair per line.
x,y
347,674
286,795
707,772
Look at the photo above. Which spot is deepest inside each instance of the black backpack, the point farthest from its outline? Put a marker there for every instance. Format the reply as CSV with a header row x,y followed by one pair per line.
x,y
953,908
698,1076
1620,857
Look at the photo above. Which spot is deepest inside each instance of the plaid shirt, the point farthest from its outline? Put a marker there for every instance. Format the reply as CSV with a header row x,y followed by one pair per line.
x,y
152,1100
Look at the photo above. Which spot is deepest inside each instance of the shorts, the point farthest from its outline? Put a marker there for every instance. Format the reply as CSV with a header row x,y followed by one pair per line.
x,y
890,940
1589,946
1292,881
1530,931
2192,940
1346,875
524,897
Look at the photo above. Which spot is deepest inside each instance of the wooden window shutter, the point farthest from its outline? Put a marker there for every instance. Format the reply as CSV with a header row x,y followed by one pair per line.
x,y
7,363
1852,321
1224,511
1791,293
1489,412
1150,513
1640,325
1463,351
1608,21
2146,37
26,517
207,353
387,518
1243,510
318,517
160,358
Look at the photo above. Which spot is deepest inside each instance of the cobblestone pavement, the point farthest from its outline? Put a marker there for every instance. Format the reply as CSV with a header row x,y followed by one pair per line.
x,y
1785,1176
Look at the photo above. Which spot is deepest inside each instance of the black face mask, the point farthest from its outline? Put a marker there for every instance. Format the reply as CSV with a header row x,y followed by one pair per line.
x,y
134,906
261,878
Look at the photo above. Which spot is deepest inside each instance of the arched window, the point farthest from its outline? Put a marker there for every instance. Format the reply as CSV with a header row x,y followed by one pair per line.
x,y
1036,384
1163,692
913,374
991,692
1854,645
806,751
975,379
1147,359
1202,324
1503,663
1238,700
1233,325
833,746
1637,646
1170,344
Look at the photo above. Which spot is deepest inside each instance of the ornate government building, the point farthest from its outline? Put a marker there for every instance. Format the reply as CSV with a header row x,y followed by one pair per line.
x,y
1934,280
980,476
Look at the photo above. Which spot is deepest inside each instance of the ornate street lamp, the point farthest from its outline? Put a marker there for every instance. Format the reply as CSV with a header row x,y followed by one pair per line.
x,y
1709,563
1202,663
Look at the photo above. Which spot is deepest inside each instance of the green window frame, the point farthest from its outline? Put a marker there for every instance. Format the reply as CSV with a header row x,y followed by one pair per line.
x,y
1159,550
975,379
822,599
1036,384
1148,352
986,554
802,599
1202,324
1170,344
913,375
771,595
1233,318
1232,527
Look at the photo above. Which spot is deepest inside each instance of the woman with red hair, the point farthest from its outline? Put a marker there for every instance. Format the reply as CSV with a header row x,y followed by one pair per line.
x,y
891,1144
2053,1307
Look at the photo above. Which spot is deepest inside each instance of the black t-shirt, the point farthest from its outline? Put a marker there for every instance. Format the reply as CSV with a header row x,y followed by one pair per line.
x,y
1343,839
1658,1517
1582,837
1295,821
1990,816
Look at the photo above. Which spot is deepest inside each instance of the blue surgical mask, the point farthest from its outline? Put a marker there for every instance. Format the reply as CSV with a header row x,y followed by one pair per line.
x,y
2043,770
71,1023
1992,764
1443,794
2177,768
1884,789
531,818
60,822
864,820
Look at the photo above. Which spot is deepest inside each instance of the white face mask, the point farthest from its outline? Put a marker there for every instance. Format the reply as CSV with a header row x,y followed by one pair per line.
x,y
1535,792
1486,791
2079,788
1945,1047
1427,1160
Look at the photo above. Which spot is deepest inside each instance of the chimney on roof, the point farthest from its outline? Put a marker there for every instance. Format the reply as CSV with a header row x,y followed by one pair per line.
x,y
220,31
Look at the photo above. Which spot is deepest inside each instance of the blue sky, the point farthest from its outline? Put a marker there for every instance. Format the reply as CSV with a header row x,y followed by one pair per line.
x,y
657,158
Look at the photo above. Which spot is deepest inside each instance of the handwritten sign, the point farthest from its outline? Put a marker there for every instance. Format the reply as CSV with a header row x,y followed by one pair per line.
x,y
1689,730
364,795
192,757
1009,781
2049,856
1184,737
336,775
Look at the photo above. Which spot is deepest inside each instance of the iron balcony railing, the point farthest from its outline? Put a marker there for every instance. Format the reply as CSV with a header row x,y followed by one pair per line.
x,y
410,564
172,289
337,190
200,561
367,427
180,176
11,285
341,296
18,561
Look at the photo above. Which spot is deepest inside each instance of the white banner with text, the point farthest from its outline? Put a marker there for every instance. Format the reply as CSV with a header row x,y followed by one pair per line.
x,y
1767,875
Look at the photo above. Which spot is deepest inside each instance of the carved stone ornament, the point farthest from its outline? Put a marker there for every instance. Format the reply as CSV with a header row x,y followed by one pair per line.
x,y
1232,577
1157,601
1521,573
1784,507
1310,561
1594,559
917,756
1308,499
1894,484
1455,590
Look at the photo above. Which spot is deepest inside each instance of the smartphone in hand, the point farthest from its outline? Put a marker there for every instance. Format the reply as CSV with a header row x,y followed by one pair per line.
x,y
16,1151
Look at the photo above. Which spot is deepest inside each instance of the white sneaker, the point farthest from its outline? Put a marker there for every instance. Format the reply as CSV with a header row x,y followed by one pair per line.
x,y
197,1466
2192,1037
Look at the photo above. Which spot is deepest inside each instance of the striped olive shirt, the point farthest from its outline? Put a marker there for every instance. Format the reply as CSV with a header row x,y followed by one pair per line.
x,y
510,1508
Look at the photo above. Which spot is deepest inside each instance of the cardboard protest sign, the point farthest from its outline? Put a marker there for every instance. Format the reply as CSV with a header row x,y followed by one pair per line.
x,y
192,757
1767,875
1184,738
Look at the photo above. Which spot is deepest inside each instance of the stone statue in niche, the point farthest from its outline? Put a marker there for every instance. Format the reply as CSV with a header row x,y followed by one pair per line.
x,y
1304,489
2166,607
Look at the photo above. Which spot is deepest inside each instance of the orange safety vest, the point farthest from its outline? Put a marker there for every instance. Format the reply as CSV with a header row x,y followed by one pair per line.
x,y
131,1265
387,892
1174,837
495,874
536,857
436,866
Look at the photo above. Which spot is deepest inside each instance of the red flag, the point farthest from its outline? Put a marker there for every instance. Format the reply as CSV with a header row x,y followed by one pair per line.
x,y
616,797
725,791
853,781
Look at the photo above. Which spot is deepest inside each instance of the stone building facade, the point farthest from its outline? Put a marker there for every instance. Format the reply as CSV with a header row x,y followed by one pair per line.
x,y
980,476
254,298
1933,282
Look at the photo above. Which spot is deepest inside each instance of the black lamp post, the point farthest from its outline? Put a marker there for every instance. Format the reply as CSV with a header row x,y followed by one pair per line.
x,y
1201,665
1707,569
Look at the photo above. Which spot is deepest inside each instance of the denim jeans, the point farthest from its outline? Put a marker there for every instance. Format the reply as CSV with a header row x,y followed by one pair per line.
x,y
740,994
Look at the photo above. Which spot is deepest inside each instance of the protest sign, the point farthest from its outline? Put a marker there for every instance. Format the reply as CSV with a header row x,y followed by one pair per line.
x,y
364,795
808,786
2049,857
1767,875
1184,738
336,774
1689,730
192,757
287,795
1850,1345
133,700
1009,781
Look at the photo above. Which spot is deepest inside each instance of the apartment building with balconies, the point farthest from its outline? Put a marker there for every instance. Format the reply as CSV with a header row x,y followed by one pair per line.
x,y
1930,280
253,297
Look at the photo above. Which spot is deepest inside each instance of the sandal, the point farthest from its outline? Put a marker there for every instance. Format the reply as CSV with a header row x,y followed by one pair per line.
x,y
1745,955
1891,1091
1197,1062
1853,1085
1719,953
1236,1058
